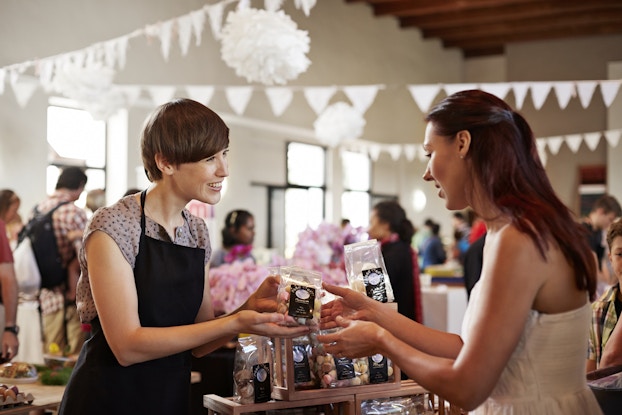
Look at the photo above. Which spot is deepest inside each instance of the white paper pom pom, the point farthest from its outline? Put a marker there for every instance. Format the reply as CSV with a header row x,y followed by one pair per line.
x,y
264,46
337,123
91,87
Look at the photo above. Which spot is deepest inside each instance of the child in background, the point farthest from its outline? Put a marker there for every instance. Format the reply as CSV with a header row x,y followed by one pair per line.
x,y
605,346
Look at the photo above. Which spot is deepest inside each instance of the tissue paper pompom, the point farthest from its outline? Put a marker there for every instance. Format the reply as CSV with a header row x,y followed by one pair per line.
x,y
91,87
337,123
264,46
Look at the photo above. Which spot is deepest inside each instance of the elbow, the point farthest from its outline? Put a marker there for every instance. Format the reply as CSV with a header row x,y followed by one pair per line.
x,y
125,357
472,395
469,402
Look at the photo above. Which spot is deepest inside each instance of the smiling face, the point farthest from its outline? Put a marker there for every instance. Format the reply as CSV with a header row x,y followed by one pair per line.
x,y
615,256
202,180
447,166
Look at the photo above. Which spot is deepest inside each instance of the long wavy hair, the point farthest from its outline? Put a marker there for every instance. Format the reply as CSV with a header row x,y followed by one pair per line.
x,y
505,162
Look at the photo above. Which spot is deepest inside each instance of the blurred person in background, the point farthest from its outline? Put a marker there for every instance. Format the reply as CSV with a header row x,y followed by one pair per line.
x,y
238,235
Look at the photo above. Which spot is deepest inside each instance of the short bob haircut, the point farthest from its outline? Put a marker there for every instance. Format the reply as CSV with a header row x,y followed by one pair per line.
x,y
181,131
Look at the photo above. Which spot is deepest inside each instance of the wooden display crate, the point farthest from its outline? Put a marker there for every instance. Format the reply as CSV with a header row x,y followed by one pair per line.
x,y
334,405
284,389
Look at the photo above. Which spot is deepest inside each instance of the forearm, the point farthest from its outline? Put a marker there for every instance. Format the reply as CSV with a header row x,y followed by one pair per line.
x,y
436,373
428,340
612,352
9,293
148,343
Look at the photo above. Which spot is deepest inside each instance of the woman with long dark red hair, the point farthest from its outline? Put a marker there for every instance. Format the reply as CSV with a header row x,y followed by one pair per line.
x,y
524,335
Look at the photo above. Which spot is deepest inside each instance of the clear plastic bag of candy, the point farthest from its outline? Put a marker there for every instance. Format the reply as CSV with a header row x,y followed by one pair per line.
x,y
299,295
366,271
252,369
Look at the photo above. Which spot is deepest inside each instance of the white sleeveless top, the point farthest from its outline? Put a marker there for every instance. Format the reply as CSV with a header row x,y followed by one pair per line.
x,y
546,372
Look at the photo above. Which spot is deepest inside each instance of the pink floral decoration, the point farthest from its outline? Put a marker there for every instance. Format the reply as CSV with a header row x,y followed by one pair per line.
x,y
318,249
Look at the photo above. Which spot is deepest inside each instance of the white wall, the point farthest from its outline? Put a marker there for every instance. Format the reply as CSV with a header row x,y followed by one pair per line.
x,y
349,46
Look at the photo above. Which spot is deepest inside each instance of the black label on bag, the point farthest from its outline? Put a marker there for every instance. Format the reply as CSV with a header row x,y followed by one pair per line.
x,y
344,368
378,369
374,284
302,370
301,301
261,382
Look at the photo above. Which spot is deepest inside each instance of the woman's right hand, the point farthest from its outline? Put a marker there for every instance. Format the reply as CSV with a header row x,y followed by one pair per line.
x,y
349,303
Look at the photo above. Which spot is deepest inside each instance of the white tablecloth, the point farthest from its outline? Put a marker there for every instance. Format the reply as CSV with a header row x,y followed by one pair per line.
x,y
444,307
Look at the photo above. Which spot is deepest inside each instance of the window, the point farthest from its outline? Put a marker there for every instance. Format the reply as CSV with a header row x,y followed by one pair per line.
x,y
75,139
300,203
355,200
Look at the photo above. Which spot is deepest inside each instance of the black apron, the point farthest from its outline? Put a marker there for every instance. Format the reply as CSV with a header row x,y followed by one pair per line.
x,y
169,283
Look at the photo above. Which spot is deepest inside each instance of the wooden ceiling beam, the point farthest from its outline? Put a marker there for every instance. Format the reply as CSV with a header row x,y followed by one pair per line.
x,y
403,8
486,41
562,22
546,9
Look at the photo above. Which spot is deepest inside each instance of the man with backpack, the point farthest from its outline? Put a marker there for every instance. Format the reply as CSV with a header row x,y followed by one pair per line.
x,y
60,321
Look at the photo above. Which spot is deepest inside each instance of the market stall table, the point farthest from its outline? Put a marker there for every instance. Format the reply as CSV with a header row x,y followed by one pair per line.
x,y
444,307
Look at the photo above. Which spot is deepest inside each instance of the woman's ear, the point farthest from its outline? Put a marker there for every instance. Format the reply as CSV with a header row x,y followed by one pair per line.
x,y
163,164
463,140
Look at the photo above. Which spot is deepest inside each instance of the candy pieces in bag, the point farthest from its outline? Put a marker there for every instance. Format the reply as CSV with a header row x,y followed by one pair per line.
x,y
299,295
252,368
366,271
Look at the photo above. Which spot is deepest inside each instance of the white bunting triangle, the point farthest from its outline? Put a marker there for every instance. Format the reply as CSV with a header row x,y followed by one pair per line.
x,y
238,97
564,91
374,151
215,13
410,151
161,94
586,91
541,144
305,5
498,89
46,72
279,98
395,151
592,140
198,21
121,45
184,32
2,77
361,97
453,88
573,141
613,137
554,144
520,92
424,95
23,92
110,53
272,5
539,92
199,93
609,90
165,34
318,97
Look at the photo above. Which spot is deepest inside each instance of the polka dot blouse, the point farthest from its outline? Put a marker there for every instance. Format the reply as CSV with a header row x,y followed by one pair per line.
x,y
121,222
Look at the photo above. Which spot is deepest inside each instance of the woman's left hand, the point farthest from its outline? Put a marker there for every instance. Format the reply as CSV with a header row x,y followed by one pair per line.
x,y
269,324
355,339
